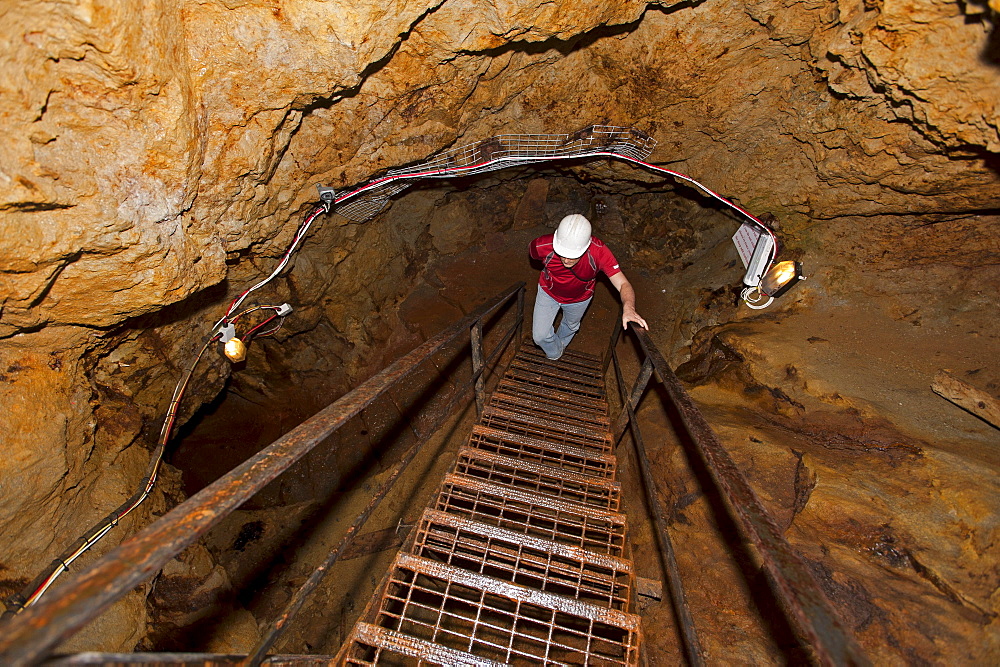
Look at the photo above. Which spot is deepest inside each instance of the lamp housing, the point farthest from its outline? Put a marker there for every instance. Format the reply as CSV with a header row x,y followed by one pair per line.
x,y
235,350
781,277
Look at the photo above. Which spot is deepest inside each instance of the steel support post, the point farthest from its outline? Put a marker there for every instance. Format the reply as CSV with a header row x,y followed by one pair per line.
x,y
520,314
612,344
477,365
641,380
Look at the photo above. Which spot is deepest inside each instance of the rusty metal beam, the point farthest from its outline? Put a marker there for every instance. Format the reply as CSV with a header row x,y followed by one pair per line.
x,y
689,633
376,542
793,583
520,313
612,344
476,338
182,660
501,346
277,627
638,388
34,633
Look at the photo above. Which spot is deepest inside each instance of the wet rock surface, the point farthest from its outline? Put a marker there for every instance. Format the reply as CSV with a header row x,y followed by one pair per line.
x,y
159,158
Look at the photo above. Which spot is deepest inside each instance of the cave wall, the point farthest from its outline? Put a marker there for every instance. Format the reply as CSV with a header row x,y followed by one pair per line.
x,y
160,154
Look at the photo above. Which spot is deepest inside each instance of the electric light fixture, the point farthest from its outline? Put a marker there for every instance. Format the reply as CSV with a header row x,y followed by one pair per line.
x,y
778,279
781,277
235,350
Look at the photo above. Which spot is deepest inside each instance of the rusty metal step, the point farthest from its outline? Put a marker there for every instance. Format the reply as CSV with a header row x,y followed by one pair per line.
x,y
520,430
543,468
551,409
542,426
500,621
538,478
599,579
179,659
546,439
375,645
570,357
588,459
559,372
535,391
534,514
567,386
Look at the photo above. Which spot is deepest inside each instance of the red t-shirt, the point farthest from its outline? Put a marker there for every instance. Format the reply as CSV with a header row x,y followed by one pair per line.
x,y
577,284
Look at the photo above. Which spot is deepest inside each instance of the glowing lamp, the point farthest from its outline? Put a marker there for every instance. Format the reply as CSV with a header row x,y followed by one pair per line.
x,y
781,277
235,350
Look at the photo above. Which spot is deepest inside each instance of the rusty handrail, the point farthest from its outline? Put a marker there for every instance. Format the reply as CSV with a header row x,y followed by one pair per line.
x,y
800,595
35,632
278,625
689,633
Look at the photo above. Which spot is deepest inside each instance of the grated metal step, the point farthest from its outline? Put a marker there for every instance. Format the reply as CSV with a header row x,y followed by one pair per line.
x,y
534,514
569,358
556,429
555,410
484,617
524,376
588,460
539,478
576,375
522,557
531,561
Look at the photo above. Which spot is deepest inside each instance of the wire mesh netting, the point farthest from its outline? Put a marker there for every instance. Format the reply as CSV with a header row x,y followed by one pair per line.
x,y
498,152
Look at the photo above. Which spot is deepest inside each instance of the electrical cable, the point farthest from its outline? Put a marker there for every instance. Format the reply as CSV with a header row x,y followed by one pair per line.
x,y
251,332
30,594
629,145
485,166
755,302
593,142
303,229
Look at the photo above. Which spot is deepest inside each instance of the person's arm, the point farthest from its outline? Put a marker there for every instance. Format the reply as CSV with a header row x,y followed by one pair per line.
x,y
624,288
533,250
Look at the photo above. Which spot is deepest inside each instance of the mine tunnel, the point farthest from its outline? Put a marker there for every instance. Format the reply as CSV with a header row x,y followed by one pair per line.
x,y
808,479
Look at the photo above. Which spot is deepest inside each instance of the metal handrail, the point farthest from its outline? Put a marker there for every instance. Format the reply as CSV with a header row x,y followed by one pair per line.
x,y
793,583
689,635
34,633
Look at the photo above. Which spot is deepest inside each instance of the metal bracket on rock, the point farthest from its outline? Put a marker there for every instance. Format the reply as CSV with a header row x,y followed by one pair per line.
x,y
327,195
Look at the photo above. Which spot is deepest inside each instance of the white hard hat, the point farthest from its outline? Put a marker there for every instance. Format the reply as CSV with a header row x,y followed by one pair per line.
x,y
572,237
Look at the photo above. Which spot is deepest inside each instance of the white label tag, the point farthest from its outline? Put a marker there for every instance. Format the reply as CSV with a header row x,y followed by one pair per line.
x,y
745,240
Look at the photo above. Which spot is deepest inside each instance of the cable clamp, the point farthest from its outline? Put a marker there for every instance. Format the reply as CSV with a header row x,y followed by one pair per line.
x,y
327,195
228,332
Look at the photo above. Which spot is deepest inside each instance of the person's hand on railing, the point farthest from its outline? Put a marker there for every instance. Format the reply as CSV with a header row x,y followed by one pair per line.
x,y
624,288
629,315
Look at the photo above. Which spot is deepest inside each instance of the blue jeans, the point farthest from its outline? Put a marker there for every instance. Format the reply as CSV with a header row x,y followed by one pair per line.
x,y
552,342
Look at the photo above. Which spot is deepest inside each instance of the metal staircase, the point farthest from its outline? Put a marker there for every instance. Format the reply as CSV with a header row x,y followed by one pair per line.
x,y
522,556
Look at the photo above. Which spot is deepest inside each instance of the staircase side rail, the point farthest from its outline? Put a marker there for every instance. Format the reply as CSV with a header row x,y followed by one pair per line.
x,y
278,626
32,635
693,651
796,588
94,659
